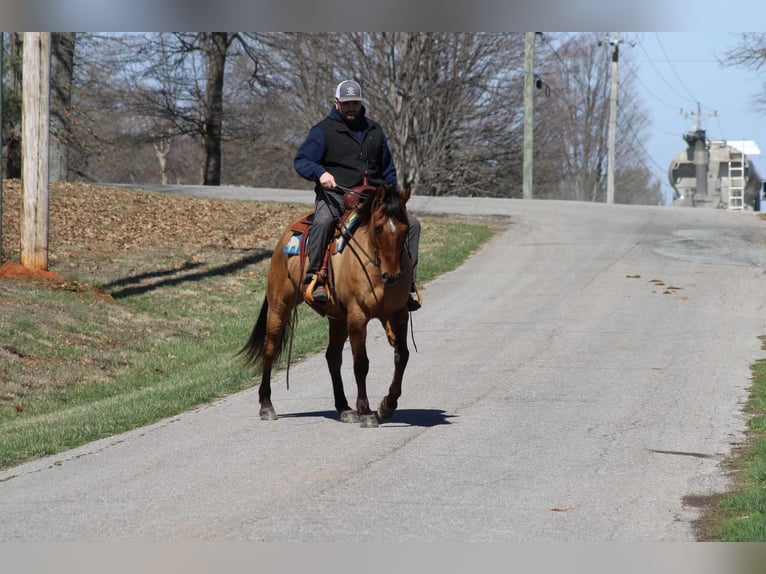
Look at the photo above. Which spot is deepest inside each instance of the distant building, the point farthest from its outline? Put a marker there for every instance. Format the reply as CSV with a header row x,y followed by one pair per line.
x,y
716,173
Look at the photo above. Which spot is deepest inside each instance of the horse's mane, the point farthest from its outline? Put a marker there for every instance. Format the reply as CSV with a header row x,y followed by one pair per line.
x,y
392,206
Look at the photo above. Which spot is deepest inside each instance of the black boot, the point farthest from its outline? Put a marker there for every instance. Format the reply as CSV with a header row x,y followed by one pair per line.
x,y
319,293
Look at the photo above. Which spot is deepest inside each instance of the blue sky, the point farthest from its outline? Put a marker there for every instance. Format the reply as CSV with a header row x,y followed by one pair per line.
x,y
676,70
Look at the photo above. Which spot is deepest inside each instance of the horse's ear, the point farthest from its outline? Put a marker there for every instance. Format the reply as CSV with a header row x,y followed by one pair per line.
x,y
405,193
379,197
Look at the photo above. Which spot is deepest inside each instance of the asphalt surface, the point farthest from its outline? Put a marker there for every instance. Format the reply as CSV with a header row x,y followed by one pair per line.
x,y
581,378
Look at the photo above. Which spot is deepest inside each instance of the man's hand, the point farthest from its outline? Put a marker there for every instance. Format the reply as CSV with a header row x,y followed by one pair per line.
x,y
327,181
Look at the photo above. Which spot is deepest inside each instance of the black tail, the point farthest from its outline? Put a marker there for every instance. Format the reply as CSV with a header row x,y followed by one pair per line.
x,y
252,352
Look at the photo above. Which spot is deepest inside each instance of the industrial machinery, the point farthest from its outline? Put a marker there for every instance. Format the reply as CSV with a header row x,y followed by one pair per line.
x,y
716,173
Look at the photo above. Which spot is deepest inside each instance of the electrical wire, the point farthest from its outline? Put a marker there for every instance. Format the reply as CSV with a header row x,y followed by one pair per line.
x,y
673,68
660,75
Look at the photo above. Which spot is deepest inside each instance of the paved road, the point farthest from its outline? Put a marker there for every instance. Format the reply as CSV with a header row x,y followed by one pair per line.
x,y
574,381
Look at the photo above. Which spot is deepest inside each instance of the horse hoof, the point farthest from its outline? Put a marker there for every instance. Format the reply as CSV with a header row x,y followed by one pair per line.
x,y
268,414
349,416
383,411
368,421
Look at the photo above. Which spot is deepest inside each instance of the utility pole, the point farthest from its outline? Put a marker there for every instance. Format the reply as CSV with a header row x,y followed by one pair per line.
x,y
615,43
698,116
529,115
35,122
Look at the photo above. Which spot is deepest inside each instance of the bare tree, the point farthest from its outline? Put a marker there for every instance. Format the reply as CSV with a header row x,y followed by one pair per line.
x,y
102,141
62,69
11,128
214,47
450,103
635,185
573,122
164,88
750,53
450,98
578,114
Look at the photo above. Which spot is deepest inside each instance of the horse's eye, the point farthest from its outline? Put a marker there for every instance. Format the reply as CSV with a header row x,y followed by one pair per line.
x,y
378,229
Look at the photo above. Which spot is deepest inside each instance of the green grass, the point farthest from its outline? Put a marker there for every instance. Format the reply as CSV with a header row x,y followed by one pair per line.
x,y
740,515
156,354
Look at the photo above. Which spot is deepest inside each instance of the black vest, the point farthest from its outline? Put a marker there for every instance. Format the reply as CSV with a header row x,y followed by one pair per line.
x,y
347,159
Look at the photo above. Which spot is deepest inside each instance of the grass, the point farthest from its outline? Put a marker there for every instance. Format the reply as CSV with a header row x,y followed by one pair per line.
x,y
740,515
110,367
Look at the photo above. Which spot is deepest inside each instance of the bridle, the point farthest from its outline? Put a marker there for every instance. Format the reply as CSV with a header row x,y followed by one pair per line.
x,y
373,259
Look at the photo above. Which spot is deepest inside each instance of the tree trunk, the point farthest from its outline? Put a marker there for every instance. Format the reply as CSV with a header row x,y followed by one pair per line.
x,y
35,121
217,46
161,151
12,137
62,66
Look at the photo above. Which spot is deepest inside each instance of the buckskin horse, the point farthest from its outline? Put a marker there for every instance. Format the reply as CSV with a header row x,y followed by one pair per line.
x,y
368,279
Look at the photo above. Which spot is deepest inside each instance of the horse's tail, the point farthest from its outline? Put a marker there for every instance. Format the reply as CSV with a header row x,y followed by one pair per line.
x,y
252,352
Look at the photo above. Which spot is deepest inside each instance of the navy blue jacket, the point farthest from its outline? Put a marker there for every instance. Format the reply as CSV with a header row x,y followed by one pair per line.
x,y
346,151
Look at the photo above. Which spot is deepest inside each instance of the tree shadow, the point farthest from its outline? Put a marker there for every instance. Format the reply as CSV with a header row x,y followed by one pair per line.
x,y
143,282
402,417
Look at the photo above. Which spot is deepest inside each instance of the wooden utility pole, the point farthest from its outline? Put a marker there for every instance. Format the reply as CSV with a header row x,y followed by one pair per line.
x,y
615,43
35,120
529,115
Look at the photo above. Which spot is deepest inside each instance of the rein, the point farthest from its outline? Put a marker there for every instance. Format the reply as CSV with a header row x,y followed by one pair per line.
x,y
352,238
342,226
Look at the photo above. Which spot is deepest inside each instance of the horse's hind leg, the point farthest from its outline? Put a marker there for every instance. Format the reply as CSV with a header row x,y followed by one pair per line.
x,y
275,326
334,357
397,336
260,349
276,329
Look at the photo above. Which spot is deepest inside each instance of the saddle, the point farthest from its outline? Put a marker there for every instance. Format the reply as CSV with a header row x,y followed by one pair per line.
x,y
354,201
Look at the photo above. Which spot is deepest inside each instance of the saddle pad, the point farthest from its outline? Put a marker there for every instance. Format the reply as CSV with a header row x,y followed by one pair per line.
x,y
293,245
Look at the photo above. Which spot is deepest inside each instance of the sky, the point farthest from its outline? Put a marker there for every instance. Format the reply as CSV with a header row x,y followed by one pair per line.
x,y
677,70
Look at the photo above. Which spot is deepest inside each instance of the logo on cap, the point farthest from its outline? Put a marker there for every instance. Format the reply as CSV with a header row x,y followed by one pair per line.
x,y
348,91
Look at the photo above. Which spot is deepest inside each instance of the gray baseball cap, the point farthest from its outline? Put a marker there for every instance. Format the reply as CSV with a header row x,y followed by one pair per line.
x,y
348,91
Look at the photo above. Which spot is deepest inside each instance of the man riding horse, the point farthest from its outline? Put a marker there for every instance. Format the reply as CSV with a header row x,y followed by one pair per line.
x,y
340,153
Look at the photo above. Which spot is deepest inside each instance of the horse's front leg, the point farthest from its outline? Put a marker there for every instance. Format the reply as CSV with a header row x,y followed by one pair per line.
x,y
397,336
334,357
358,337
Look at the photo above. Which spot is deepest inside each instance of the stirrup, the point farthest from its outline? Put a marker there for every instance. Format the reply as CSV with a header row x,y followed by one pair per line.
x,y
414,300
315,292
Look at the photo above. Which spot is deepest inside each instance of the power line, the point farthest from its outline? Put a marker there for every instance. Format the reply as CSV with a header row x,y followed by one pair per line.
x,y
571,76
673,69
660,75
628,128
661,174
679,80
651,93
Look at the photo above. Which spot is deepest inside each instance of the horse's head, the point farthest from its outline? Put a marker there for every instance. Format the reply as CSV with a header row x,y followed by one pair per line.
x,y
389,226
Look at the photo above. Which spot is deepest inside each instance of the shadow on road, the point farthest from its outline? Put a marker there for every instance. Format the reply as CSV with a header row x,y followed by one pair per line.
x,y
409,417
